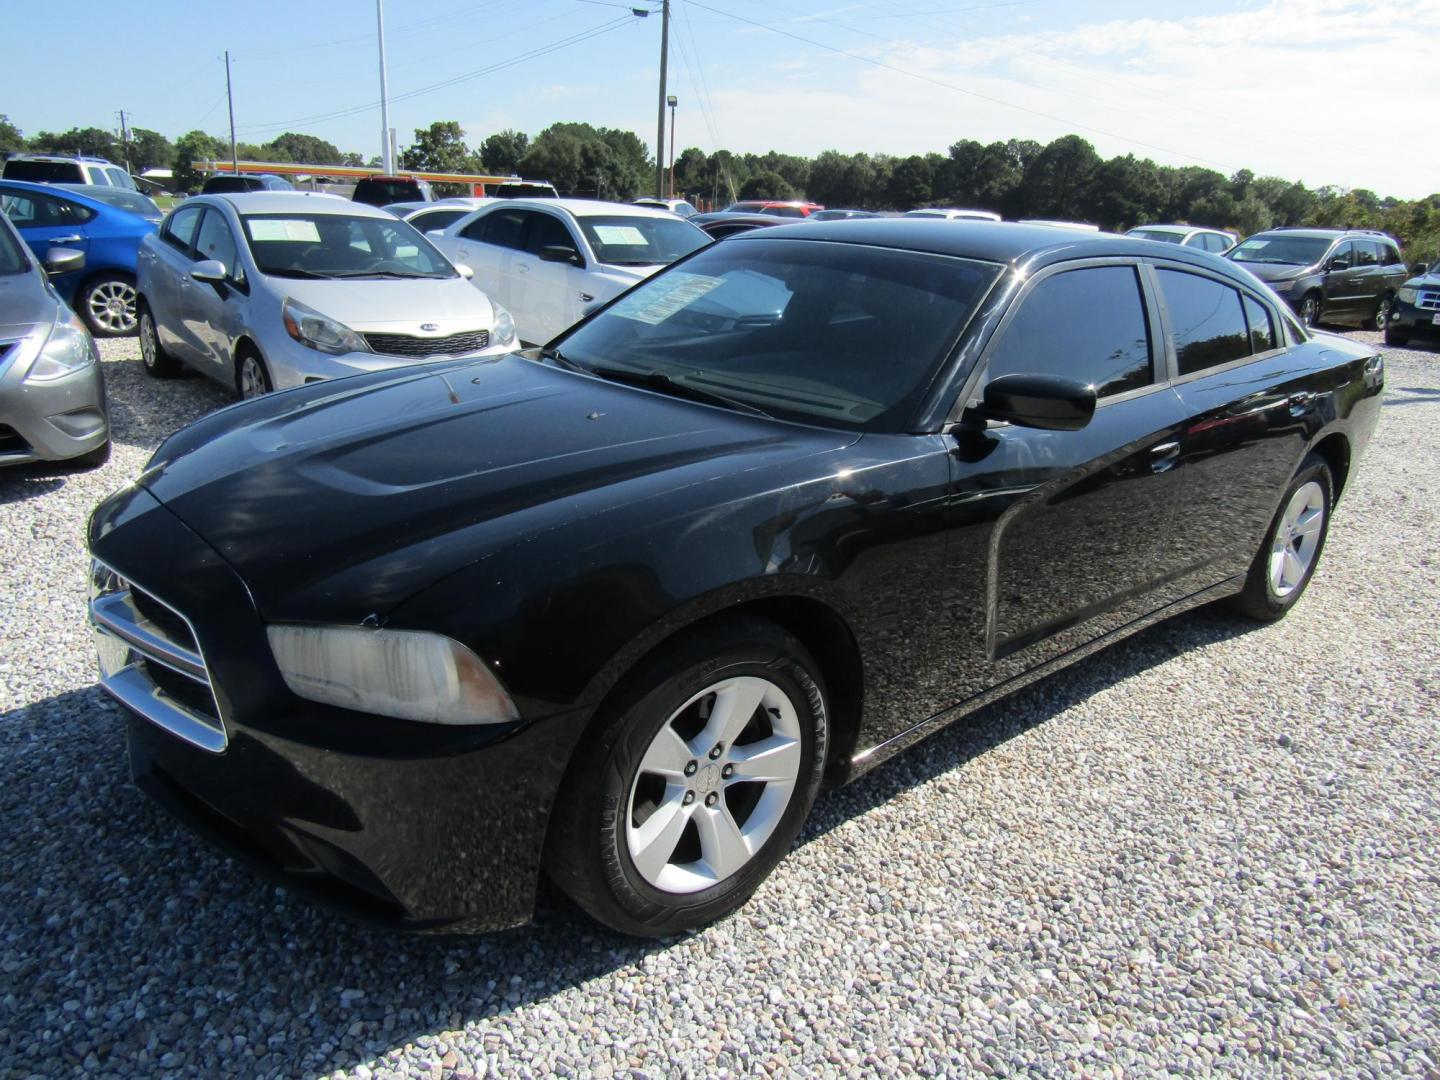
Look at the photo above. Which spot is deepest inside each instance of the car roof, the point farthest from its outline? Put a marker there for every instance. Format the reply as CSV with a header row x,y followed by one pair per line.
x,y
588,208
61,157
75,192
990,241
1327,234
291,202
1174,228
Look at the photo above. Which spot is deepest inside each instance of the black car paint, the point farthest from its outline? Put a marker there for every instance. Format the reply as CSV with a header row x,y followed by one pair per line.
x,y
1416,318
563,527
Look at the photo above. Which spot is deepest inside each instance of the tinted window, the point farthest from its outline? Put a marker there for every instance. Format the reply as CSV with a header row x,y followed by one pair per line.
x,y
436,219
1388,255
1206,321
1216,243
385,192
1163,236
1262,329
1342,258
180,228
838,334
1367,253
215,241
502,228
546,231
44,172
641,241
29,210
1088,325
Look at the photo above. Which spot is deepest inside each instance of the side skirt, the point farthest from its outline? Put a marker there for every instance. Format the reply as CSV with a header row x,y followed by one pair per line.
x,y
866,760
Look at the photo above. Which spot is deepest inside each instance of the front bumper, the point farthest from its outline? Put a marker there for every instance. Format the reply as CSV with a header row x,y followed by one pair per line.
x,y
1413,321
425,827
50,421
294,364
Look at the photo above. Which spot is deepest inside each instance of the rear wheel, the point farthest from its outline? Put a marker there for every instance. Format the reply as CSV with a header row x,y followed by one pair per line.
x,y
1310,309
1287,558
1382,312
158,363
696,784
252,379
107,303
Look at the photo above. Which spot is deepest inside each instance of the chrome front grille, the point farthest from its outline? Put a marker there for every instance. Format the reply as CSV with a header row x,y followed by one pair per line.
x,y
150,660
1429,299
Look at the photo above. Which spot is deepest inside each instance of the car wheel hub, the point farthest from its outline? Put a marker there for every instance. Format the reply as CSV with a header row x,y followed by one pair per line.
x,y
1297,539
692,826
112,304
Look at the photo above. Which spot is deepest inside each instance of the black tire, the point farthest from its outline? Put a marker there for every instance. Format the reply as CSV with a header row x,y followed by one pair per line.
x,y
92,459
1260,599
109,304
158,363
587,853
245,357
1395,337
1383,309
1310,310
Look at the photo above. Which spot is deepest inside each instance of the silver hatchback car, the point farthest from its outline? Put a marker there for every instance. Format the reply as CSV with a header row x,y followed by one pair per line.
x,y
52,395
269,290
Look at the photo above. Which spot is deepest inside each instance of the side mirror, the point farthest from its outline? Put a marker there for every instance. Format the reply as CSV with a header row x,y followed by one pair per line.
x,y
63,261
1338,264
464,271
1420,268
559,253
1039,401
209,270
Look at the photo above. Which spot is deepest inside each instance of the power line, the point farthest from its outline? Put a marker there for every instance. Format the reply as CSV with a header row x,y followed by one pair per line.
x,y
951,86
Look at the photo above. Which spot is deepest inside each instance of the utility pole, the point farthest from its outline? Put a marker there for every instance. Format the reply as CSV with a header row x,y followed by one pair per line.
x,y
125,140
230,97
387,158
660,124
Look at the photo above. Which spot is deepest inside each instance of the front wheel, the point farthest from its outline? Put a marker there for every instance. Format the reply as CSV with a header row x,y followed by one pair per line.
x,y
1286,560
1310,309
107,303
698,781
251,377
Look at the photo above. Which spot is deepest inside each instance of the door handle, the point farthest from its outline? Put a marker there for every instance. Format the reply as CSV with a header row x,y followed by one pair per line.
x,y
66,239
1164,456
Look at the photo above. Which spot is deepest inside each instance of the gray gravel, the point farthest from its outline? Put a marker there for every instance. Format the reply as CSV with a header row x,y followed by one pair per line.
x,y
1210,849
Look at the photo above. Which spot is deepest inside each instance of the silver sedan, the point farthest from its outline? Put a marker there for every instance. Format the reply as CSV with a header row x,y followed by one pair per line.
x,y
269,290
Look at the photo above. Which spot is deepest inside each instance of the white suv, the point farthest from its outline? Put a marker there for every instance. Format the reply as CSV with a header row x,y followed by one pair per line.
x,y
57,169
547,261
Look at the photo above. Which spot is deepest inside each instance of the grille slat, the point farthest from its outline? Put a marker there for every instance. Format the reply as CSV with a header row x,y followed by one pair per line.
x,y
1428,299
468,341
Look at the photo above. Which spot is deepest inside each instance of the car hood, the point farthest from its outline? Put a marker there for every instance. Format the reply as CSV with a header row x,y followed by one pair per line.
x,y
395,305
1426,280
25,304
346,498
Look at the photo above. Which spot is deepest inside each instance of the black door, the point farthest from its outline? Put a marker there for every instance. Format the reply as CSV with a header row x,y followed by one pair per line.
x,y
1344,283
1082,545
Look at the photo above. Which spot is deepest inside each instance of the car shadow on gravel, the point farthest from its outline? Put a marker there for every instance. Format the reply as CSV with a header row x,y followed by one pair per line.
x,y
134,947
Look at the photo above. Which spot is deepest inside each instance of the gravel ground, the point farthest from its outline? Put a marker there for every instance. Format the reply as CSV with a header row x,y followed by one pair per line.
x,y
1209,849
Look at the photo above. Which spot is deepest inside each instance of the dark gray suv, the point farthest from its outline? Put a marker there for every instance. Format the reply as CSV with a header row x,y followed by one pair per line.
x,y
1328,275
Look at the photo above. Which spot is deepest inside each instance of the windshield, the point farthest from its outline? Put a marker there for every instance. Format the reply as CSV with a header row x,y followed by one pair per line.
x,y
12,257
338,245
641,241
132,201
1165,236
837,334
1290,250
385,192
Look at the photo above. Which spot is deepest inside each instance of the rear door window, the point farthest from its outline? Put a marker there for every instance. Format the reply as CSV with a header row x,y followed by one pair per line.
x,y
1367,253
1088,325
1207,321
502,228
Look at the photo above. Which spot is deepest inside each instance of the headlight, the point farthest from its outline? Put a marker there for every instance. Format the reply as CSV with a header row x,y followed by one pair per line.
x,y
309,327
407,674
1407,294
68,348
1283,286
504,331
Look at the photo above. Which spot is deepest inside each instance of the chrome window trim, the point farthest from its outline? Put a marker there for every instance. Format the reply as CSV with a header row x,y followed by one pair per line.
x,y
132,687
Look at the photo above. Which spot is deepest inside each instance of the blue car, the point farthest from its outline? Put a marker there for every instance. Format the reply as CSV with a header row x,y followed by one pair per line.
x,y
50,217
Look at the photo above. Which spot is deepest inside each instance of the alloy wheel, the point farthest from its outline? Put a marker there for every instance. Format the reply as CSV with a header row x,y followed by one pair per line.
x,y
713,785
111,304
1310,311
1297,539
1382,313
252,378
149,347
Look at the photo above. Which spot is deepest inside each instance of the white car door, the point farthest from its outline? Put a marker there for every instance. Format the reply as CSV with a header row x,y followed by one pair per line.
x,y
545,292
486,245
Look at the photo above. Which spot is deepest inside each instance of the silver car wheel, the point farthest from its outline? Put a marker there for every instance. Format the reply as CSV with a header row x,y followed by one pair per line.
x,y
1297,539
252,378
111,304
149,346
713,785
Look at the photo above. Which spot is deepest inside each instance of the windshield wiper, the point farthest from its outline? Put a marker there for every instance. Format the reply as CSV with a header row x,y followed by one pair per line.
x,y
292,271
383,274
561,359
657,380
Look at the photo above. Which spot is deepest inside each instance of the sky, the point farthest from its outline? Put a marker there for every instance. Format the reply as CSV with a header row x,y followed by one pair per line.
x,y
1342,92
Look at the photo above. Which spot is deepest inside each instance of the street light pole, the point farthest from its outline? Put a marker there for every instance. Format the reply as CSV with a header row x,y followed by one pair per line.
x,y
660,123
387,159
230,97
673,101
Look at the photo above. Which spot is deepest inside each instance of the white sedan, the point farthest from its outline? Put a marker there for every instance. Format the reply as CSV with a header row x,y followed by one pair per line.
x,y
547,261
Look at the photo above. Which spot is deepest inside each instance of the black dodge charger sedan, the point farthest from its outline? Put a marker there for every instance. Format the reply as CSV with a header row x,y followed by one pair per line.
x,y
614,610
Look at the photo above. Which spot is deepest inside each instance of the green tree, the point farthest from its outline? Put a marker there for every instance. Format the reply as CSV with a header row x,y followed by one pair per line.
x,y
500,154
1057,181
192,147
91,141
1125,192
439,148
11,138
910,183
578,158
767,185
306,149
149,150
